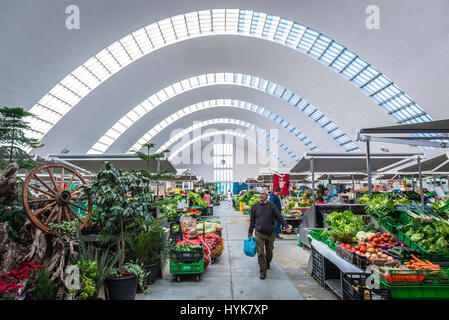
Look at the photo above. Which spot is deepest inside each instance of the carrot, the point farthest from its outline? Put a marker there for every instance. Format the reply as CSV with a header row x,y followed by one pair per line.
x,y
415,258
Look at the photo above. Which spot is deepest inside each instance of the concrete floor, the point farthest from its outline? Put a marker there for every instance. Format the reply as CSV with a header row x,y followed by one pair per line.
x,y
235,276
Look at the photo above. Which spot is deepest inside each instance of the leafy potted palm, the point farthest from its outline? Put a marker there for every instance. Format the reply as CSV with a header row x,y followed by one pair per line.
x,y
119,203
150,247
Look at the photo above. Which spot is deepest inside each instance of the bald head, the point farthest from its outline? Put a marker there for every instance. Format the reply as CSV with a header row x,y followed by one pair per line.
x,y
263,195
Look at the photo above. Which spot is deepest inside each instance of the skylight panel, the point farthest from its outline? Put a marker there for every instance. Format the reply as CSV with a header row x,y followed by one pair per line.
x,y
131,47
258,20
205,21
193,25
321,44
120,54
283,29
271,24
307,40
332,53
143,40
245,21
97,69
218,18
108,61
155,35
86,77
167,30
295,35
180,27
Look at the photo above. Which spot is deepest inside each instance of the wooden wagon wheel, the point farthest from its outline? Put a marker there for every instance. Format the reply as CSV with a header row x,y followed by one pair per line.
x,y
47,199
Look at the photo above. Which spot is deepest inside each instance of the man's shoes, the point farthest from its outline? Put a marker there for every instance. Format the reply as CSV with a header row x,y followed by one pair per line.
x,y
263,275
268,266
279,238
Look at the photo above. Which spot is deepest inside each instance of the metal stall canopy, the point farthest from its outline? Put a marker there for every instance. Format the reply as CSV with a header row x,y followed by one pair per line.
x,y
426,134
436,165
349,164
127,162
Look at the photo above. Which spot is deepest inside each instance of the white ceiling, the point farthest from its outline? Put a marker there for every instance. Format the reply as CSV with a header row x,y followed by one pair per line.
x,y
38,51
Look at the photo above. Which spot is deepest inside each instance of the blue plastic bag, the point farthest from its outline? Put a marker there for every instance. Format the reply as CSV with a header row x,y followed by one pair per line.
x,y
249,246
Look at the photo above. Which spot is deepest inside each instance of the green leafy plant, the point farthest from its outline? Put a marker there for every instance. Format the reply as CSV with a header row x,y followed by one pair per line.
x,y
118,200
133,268
95,266
66,230
43,287
13,139
16,218
149,244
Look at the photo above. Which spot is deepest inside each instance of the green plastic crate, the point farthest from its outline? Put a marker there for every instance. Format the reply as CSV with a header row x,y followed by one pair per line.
x,y
433,257
316,234
388,226
416,292
246,211
186,267
331,244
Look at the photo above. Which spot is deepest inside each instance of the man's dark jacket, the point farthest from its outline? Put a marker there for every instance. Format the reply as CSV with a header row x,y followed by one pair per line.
x,y
262,218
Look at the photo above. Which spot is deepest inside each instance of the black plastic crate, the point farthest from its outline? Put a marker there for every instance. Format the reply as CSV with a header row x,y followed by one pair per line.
x,y
190,256
355,288
323,269
360,261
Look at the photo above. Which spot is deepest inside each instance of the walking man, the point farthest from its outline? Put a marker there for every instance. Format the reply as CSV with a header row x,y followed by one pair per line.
x,y
263,215
274,198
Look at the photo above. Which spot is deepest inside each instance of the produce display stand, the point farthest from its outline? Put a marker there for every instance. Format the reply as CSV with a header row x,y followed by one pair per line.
x,y
329,269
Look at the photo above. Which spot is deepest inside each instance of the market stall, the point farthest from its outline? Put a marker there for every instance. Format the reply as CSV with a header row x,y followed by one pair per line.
x,y
397,250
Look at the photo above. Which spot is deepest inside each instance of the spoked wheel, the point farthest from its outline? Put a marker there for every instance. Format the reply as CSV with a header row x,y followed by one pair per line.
x,y
49,193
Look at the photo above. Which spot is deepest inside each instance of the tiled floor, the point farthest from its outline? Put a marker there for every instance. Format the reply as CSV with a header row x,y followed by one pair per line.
x,y
235,276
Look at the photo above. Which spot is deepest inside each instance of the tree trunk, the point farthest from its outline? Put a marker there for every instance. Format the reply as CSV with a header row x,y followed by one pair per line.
x,y
35,246
9,190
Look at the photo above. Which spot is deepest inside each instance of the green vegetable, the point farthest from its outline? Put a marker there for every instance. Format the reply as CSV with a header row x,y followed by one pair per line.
x,y
370,227
345,237
343,222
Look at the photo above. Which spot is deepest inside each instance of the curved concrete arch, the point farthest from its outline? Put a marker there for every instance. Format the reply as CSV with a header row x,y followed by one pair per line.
x,y
74,87
235,134
224,78
230,103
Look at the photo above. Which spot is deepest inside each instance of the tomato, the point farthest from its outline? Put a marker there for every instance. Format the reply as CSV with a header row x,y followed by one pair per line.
x,y
357,248
378,233
362,244
381,242
363,249
372,237
348,247
375,240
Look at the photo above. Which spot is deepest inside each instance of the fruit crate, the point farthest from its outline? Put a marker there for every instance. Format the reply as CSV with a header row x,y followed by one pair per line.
x,y
323,269
189,256
361,262
186,268
316,234
345,254
425,255
332,245
354,287
416,292
392,228
419,277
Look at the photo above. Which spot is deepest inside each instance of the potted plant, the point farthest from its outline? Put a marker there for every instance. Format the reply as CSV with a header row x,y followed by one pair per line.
x,y
119,203
150,247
